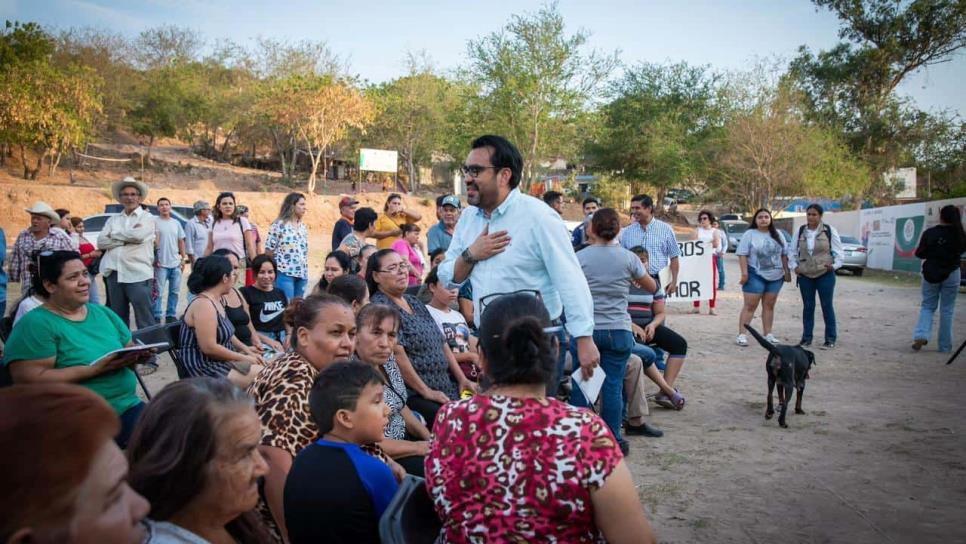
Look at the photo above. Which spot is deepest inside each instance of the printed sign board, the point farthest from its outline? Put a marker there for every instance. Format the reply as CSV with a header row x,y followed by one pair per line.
x,y
695,273
378,160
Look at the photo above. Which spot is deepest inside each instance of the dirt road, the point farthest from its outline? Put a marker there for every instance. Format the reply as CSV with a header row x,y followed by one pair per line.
x,y
880,455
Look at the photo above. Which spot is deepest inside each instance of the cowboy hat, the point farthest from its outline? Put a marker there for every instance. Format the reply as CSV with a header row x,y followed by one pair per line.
x,y
117,186
42,208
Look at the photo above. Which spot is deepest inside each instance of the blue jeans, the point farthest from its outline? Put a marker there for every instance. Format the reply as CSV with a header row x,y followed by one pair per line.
x,y
169,280
615,347
290,285
824,285
563,343
650,355
721,276
944,295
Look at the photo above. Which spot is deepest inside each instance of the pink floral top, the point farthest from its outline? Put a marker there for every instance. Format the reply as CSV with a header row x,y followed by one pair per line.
x,y
519,468
408,252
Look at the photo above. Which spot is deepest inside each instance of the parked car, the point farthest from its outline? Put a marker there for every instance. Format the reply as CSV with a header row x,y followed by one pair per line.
x,y
730,217
94,224
734,230
681,195
856,255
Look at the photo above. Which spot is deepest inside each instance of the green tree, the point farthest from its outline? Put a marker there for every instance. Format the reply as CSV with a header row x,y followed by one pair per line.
x,y
657,126
767,153
534,79
46,111
23,43
166,102
315,112
413,113
851,87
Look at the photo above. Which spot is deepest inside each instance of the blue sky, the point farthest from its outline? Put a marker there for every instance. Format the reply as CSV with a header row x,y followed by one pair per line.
x,y
375,35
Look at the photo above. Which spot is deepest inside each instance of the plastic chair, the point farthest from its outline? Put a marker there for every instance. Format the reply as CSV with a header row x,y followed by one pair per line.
x,y
410,517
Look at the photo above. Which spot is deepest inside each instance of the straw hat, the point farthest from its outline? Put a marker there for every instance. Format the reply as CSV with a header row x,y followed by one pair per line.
x,y
129,182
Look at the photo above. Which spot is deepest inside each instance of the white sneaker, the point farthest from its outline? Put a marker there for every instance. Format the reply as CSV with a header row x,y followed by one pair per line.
x,y
741,340
771,338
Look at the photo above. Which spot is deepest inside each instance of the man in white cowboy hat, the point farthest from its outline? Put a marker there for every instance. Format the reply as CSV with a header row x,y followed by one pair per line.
x,y
127,241
42,234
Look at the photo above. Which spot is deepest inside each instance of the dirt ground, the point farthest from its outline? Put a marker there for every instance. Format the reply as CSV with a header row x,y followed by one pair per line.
x,y
878,457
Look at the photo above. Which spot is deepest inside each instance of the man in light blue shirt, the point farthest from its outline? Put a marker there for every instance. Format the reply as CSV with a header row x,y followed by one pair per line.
x,y
654,235
507,241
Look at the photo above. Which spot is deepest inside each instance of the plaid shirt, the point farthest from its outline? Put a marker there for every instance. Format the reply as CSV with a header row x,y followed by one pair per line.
x,y
26,244
658,239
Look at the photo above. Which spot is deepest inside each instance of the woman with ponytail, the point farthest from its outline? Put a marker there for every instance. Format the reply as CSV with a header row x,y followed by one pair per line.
x,y
610,271
567,477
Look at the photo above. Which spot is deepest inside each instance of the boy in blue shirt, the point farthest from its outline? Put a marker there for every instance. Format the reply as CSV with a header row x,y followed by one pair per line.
x,y
335,491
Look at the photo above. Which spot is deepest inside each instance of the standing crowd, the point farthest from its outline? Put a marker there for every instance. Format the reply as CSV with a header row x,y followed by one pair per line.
x,y
300,409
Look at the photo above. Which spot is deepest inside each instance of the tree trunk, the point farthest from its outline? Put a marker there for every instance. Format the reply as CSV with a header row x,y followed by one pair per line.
x,y
278,149
224,146
147,158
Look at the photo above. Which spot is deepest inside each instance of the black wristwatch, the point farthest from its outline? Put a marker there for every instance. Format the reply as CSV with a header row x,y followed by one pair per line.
x,y
468,257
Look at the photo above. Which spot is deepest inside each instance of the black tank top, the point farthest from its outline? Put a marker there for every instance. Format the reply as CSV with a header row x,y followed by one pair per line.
x,y
239,318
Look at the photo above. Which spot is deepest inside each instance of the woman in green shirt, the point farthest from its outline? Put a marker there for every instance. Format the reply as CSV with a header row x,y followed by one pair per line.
x,y
62,340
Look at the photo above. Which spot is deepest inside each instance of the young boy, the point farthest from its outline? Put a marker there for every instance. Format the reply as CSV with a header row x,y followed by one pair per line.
x,y
453,326
335,492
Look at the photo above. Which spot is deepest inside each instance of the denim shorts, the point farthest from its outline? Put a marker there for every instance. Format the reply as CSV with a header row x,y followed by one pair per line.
x,y
758,285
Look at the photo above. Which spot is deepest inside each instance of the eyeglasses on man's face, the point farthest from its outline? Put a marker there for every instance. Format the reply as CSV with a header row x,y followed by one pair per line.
x,y
474,170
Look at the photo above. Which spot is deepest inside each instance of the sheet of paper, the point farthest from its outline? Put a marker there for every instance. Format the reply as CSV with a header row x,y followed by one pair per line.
x,y
160,346
590,388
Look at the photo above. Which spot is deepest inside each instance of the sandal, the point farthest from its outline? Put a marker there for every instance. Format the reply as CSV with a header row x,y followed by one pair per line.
x,y
677,399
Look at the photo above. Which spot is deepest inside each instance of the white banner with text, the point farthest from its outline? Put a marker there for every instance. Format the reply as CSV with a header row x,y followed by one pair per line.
x,y
695,273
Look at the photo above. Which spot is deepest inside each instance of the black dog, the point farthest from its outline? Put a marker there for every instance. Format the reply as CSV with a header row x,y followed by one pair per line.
x,y
788,366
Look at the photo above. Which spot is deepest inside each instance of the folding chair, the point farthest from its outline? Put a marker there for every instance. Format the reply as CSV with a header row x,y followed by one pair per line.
x,y
410,517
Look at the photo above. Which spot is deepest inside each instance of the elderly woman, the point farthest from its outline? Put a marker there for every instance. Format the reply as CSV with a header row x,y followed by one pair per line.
x,y
205,341
65,339
194,456
65,478
590,498
323,330
378,327
428,367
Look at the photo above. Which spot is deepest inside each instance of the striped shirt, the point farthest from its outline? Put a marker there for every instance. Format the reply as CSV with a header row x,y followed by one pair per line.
x,y
195,362
657,238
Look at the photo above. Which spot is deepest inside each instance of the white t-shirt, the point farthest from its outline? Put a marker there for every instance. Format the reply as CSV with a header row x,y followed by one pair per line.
x,y
707,235
28,304
454,328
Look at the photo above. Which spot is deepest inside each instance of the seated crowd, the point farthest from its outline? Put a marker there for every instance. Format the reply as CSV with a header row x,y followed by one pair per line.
x,y
296,418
